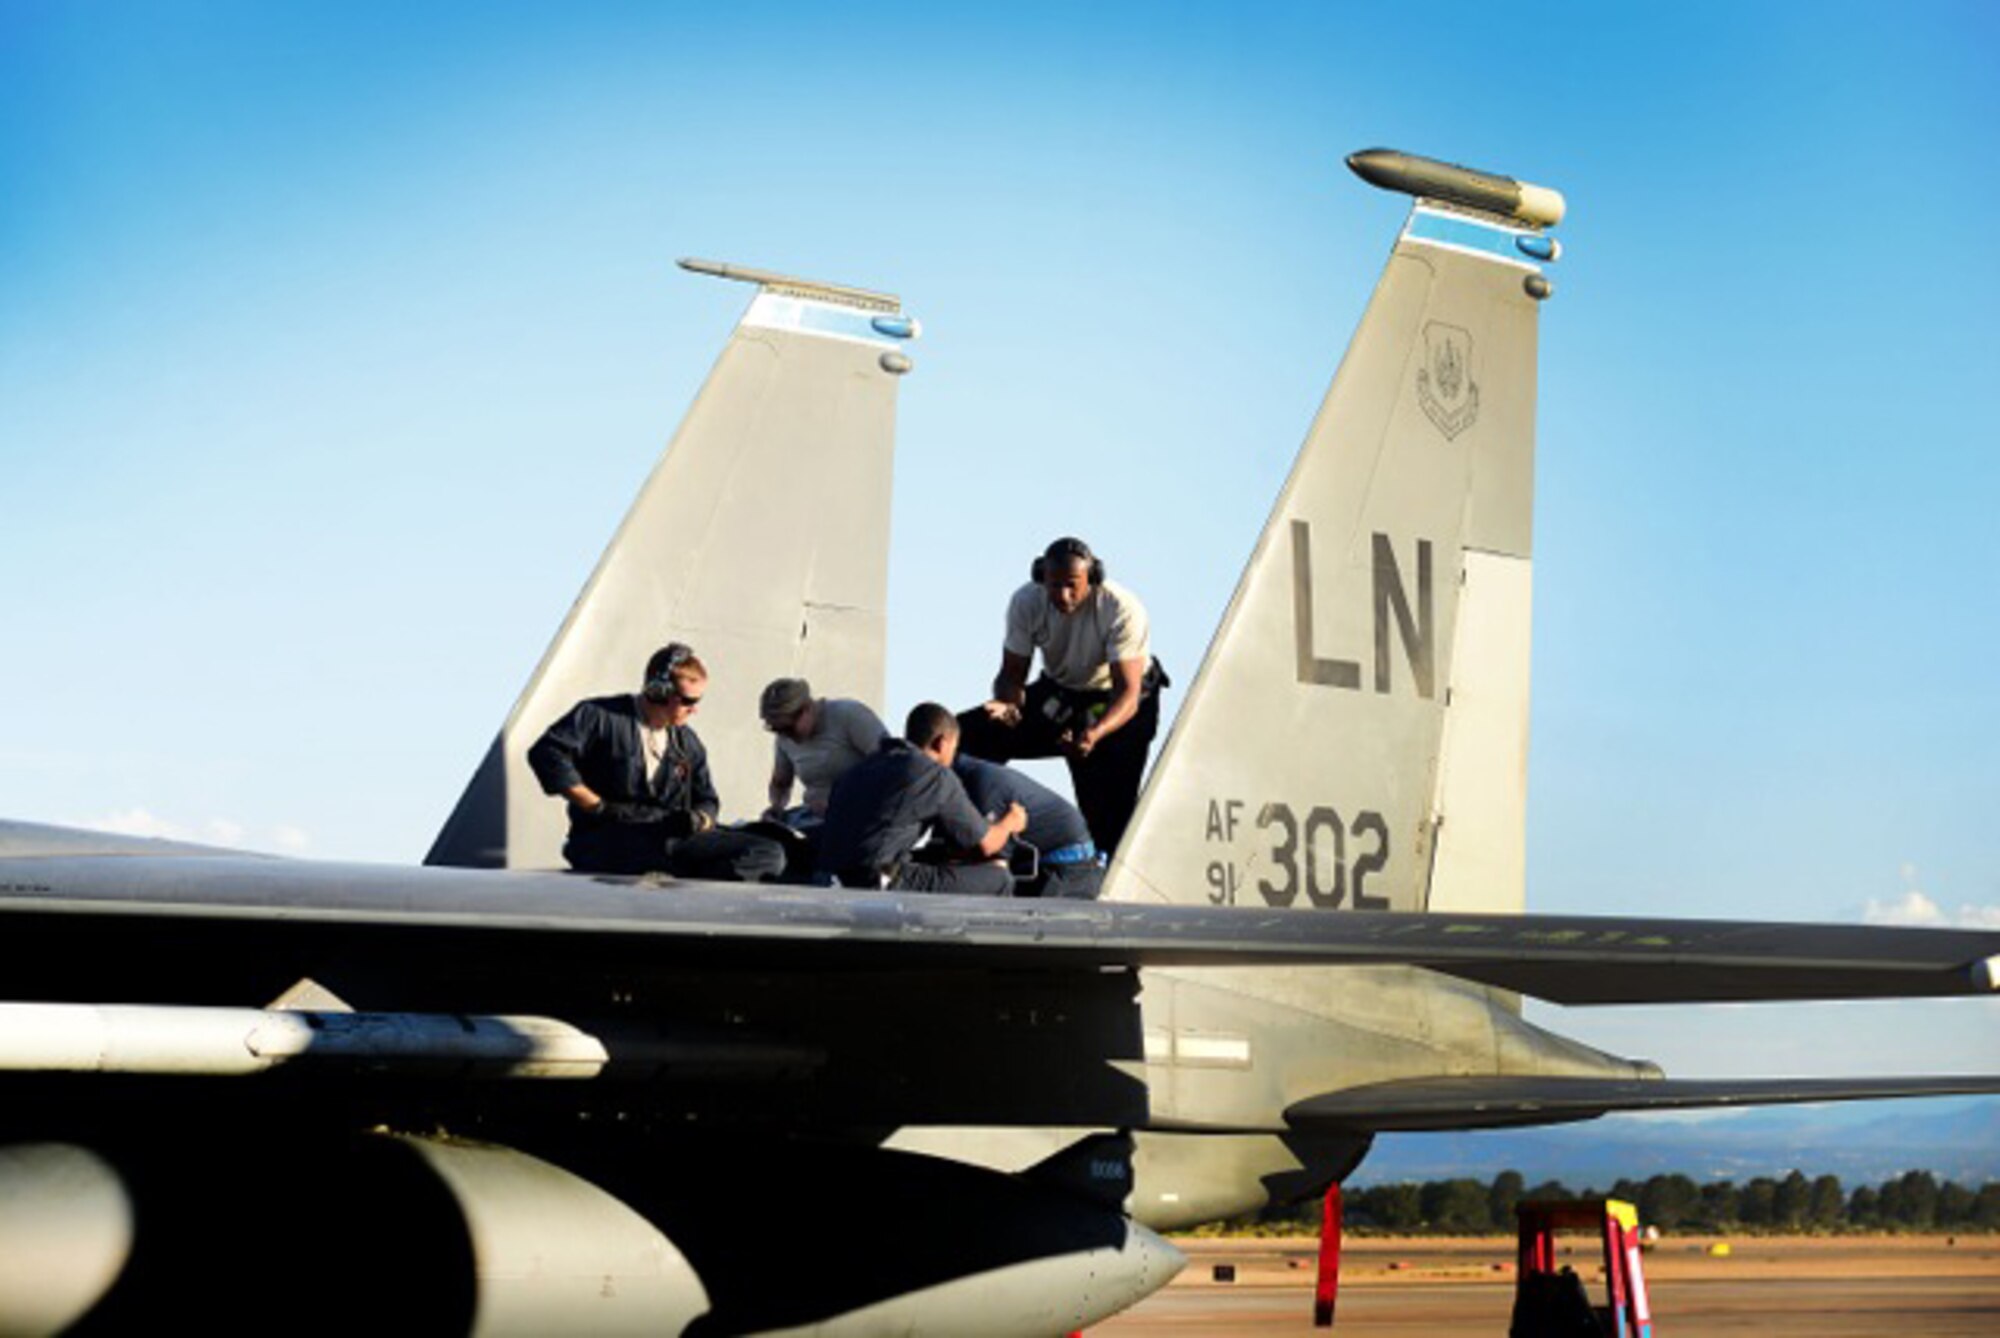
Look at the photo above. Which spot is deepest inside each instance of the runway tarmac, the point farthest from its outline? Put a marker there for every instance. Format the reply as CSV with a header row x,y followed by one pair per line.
x,y
1840,1288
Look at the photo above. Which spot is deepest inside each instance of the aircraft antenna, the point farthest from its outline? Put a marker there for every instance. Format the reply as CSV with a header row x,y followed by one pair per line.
x,y
793,287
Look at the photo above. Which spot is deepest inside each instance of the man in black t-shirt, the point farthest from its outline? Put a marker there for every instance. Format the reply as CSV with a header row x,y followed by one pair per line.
x,y
882,805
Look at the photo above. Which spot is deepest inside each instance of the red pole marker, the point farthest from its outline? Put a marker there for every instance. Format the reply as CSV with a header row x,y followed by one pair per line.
x,y
1329,1260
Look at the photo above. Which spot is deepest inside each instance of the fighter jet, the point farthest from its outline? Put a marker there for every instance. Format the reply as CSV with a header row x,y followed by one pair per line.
x,y
491,1097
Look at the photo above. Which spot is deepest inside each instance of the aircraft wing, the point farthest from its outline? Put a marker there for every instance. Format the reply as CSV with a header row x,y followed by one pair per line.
x,y
1490,1102
65,912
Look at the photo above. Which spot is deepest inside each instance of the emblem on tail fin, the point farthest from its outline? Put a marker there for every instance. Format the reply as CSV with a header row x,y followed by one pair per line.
x,y
1444,383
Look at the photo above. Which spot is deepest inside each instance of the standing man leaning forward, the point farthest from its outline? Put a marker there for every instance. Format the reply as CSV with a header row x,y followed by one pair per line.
x,y
815,740
882,806
636,777
1097,702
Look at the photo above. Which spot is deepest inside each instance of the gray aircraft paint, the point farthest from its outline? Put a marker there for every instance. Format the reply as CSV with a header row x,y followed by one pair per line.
x,y
761,539
554,1253
1358,733
1304,770
77,890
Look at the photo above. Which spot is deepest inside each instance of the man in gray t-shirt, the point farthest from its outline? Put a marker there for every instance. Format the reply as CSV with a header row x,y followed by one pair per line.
x,y
816,739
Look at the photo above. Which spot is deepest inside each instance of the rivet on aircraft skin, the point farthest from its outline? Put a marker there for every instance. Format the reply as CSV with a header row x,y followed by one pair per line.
x,y
897,327
895,364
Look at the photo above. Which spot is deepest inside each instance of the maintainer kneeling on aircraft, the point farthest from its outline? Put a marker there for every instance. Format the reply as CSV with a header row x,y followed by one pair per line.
x,y
882,806
815,740
641,799
1066,862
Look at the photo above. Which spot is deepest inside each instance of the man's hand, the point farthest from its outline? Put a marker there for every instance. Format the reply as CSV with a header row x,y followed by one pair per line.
x,y
1002,830
1004,713
1078,743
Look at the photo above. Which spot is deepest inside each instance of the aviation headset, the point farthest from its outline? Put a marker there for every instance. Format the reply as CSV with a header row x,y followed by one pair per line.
x,y
660,671
1067,550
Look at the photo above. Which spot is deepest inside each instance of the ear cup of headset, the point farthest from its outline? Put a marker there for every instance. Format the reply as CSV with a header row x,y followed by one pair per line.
x,y
660,686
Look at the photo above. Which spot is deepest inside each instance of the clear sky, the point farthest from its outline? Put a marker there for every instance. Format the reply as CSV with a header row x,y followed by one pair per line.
x,y
334,339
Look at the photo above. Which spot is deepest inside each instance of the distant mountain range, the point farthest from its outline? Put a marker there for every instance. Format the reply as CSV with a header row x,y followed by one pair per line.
x,y
1863,1143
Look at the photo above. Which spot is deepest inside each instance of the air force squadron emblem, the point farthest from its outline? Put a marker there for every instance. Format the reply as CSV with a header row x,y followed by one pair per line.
x,y
1444,383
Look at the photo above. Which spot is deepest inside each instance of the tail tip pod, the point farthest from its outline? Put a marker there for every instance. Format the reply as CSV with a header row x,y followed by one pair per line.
x,y
1427,177
786,284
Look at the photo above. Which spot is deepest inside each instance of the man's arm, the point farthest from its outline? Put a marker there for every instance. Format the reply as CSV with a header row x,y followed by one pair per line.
x,y
1128,679
1017,650
556,760
586,799
1010,688
1010,825
553,759
780,790
964,825
701,790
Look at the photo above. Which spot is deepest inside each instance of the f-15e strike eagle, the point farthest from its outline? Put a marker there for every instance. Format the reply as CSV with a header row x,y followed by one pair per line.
x,y
290,1096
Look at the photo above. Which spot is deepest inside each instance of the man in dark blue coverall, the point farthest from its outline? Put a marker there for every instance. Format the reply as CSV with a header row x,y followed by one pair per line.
x,y
636,777
882,805
1067,861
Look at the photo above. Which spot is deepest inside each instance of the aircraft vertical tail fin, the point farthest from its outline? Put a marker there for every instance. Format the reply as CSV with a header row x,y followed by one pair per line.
x,y
1357,735
761,539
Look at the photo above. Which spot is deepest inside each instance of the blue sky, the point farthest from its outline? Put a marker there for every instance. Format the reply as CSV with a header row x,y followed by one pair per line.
x,y
334,339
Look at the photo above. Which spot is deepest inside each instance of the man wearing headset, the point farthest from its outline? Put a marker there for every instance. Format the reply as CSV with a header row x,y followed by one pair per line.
x,y
641,799
1097,702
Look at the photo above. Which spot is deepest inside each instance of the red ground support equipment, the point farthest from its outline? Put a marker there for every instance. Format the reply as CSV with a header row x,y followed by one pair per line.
x,y
1551,1302
1328,1289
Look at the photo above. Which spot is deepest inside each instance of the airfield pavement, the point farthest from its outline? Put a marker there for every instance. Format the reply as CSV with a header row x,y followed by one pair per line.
x,y
1835,1287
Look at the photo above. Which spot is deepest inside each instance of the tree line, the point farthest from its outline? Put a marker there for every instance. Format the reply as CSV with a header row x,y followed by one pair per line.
x,y
1913,1201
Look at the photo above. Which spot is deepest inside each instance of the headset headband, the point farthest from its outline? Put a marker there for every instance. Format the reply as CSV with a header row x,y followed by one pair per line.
x,y
1068,549
660,679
